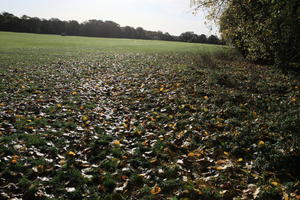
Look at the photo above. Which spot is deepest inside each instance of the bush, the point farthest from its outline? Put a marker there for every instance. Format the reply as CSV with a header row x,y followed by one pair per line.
x,y
264,31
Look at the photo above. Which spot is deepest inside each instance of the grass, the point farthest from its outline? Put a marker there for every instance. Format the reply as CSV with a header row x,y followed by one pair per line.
x,y
93,118
35,48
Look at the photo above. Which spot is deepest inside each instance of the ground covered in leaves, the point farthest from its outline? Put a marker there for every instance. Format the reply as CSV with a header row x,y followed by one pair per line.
x,y
149,126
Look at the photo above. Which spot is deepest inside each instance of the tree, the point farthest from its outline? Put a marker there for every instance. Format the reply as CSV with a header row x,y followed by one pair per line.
x,y
93,28
72,27
111,29
56,26
141,33
265,31
9,22
202,38
129,32
166,36
213,40
186,36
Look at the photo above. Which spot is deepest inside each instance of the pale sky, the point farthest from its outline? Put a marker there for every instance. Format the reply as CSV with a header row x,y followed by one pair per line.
x,y
173,16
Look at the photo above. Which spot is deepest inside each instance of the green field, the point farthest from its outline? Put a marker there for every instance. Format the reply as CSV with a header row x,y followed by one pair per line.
x,y
98,118
30,48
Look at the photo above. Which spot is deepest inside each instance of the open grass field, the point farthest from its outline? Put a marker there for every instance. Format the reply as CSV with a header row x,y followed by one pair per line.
x,y
36,48
95,118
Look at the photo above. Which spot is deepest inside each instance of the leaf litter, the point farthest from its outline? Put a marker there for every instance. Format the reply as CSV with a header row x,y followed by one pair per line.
x,y
134,126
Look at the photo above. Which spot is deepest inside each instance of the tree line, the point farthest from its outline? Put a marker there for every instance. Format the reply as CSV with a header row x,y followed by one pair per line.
x,y
93,28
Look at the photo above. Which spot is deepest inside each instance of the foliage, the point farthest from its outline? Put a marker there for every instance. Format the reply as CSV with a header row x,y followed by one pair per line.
x,y
192,37
264,31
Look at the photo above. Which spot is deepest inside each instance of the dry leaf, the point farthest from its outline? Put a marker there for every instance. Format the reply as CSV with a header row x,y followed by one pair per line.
x,y
85,118
155,190
116,142
71,153
275,183
261,143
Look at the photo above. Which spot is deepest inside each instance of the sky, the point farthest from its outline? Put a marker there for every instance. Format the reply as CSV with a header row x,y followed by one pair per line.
x,y
173,16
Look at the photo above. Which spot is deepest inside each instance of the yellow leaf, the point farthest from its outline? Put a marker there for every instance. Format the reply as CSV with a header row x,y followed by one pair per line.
x,y
62,162
155,190
172,125
85,118
145,143
74,93
286,196
180,134
220,168
219,124
260,143
236,133
226,153
205,109
58,105
191,154
161,89
116,142
275,183
2,104
240,160
154,160
205,97
182,106
71,153
19,116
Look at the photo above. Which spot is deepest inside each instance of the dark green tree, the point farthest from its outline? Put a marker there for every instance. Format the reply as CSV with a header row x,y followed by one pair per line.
x,y
265,31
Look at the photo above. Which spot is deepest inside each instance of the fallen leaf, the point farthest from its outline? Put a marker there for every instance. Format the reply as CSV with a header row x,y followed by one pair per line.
x,y
85,118
116,142
275,183
221,168
71,153
155,190
74,92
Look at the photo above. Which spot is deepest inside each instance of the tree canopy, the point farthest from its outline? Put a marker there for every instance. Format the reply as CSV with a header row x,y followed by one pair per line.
x,y
265,31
